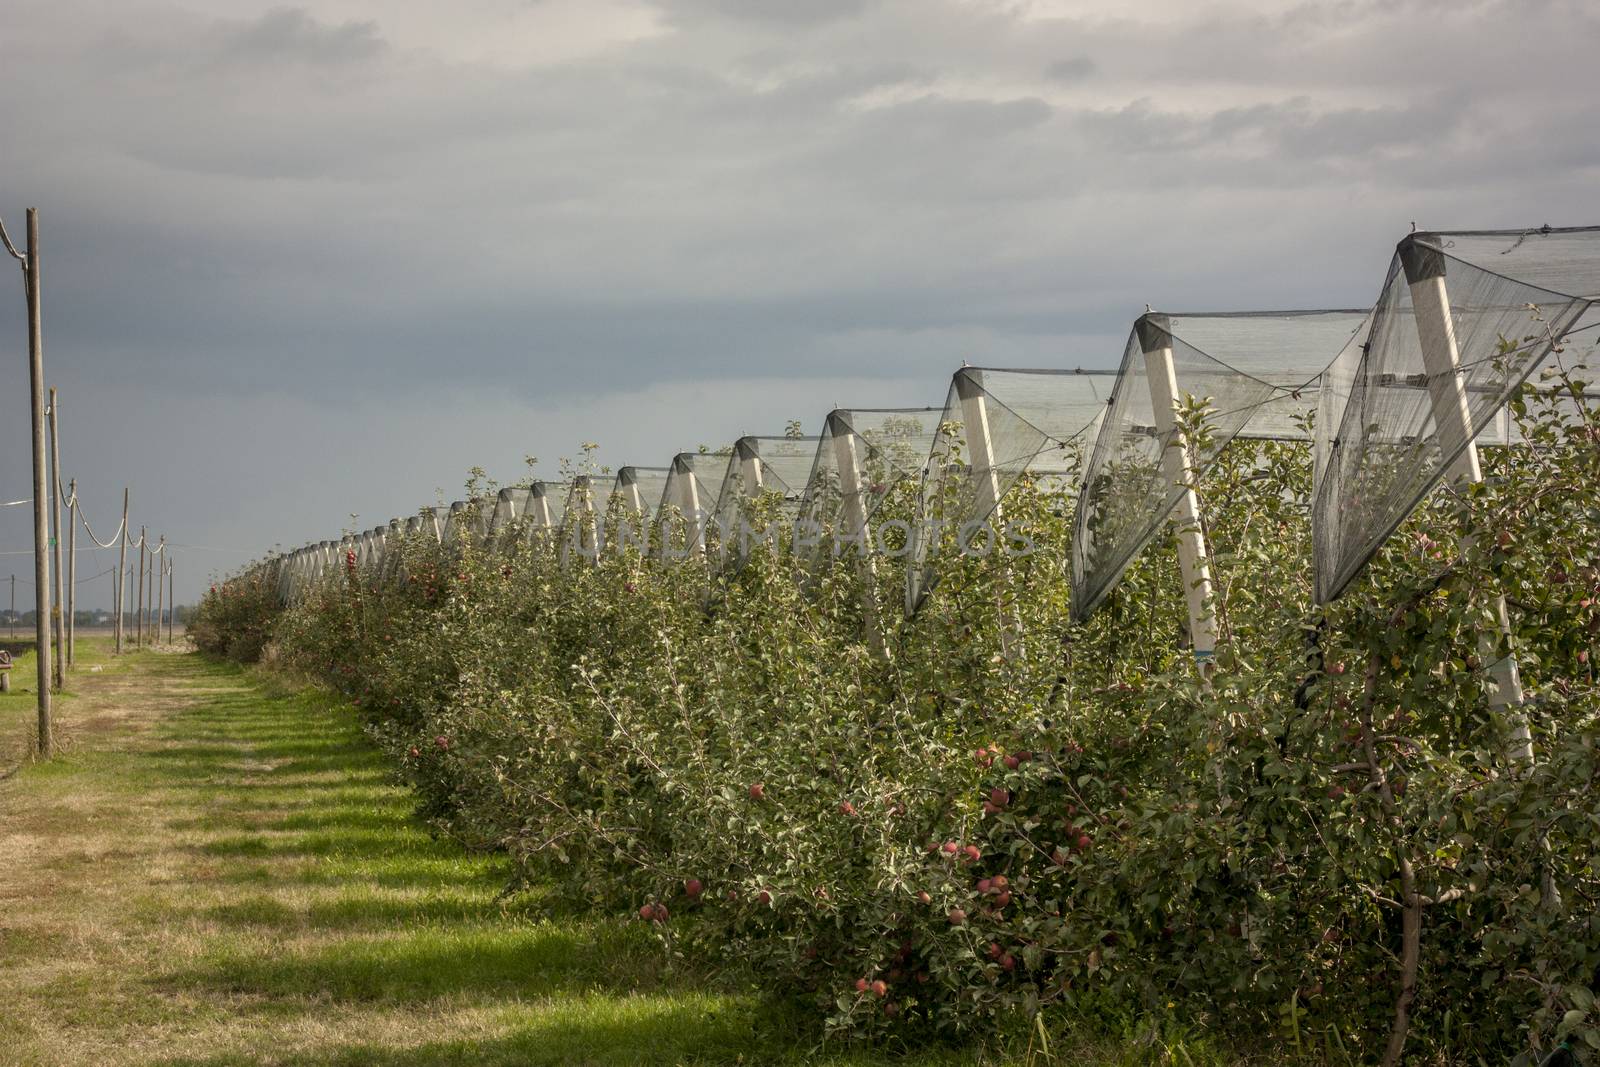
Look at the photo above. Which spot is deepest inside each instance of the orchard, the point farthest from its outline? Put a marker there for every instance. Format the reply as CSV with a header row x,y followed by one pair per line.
x,y
1000,813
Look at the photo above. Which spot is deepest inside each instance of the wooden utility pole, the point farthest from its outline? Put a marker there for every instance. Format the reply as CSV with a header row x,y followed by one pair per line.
x,y
161,587
41,487
72,571
121,598
138,618
13,607
55,548
171,603
150,634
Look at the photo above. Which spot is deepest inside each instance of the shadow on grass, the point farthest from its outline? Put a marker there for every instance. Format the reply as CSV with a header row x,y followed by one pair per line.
x,y
422,964
637,1030
325,900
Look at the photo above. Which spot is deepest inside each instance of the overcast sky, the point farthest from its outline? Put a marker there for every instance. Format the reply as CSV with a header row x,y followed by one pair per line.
x,y
309,261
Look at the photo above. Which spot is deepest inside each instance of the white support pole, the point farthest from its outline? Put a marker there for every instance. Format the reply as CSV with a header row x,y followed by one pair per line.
x,y
1452,416
689,504
853,506
635,498
640,514
752,483
980,446
750,475
585,526
542,520
985,479
1193,561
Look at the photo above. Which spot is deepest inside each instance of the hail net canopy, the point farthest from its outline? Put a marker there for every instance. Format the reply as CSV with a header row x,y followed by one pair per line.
x,y
862,456
1463,320
998,425
631,509
539,506
759,466
689,497
1258,373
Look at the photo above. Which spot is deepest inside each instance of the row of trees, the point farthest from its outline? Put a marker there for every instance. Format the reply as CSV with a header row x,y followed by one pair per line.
x,y
997,813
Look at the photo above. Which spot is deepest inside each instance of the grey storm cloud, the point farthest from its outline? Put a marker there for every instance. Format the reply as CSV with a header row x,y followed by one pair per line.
x,y
307,261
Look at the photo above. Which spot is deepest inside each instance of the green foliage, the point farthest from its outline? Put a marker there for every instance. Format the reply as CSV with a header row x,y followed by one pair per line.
x,y
1004,812
235,618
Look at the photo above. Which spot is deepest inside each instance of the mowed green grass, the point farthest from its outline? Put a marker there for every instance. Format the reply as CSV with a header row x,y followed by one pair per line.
x,y
213,873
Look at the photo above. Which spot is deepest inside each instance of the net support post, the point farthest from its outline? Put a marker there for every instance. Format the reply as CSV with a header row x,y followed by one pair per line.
x,y
541,520
586,529
1452,415
688,503
986,486
1193,557
634,511
752,483
852,505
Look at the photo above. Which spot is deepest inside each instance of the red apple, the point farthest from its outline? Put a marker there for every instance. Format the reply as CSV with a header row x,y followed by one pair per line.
x,y
757,791
861,985
692,888
880,989
957,917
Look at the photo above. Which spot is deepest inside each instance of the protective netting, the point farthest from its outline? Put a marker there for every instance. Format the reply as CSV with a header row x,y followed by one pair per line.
x,y
688,500
1463,320
631,509
580,526
505,509
861,456
1258,374
996,426
778,467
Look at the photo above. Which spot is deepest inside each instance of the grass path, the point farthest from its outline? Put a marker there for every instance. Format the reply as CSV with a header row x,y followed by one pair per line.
x,y
212,874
